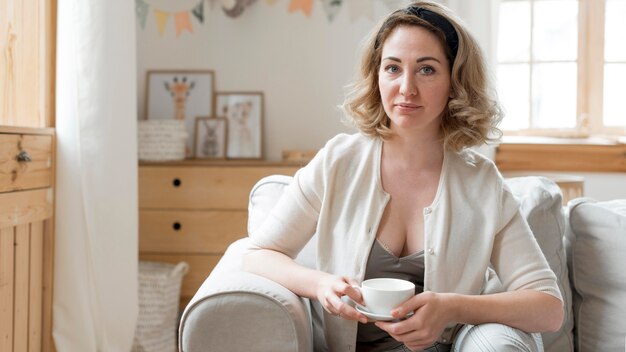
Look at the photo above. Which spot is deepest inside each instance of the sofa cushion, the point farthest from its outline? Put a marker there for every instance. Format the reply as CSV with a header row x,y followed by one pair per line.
x,y
597,252
541,205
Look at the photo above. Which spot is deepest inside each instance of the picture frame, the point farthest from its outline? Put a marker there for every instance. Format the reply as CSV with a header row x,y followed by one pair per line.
x,y
211,136
180,95
244,112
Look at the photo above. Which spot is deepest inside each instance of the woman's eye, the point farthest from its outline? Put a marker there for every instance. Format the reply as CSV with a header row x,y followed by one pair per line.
x,y
391,69
427,70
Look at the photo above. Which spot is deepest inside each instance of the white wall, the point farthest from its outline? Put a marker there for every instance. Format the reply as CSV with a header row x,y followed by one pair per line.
x,y
300,63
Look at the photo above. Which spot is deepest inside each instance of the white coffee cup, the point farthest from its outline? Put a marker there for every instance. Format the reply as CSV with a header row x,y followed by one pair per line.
x,y
384,294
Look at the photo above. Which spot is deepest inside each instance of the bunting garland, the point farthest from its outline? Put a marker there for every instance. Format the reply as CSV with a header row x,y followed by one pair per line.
x,y
182,19
141,9
331,7
161,18
305,6
182,22
198,12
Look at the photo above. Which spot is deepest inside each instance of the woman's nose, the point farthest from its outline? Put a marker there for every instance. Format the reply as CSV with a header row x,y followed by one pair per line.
x,y
408,85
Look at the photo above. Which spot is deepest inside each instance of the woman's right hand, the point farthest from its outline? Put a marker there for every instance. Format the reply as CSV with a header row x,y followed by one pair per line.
x,y
330,289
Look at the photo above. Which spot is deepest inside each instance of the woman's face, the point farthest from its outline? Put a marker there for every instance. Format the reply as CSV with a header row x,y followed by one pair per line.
x,y
414,80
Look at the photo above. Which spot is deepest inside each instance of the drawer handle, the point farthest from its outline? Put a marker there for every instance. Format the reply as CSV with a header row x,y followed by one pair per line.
x,y
177,226
23,157
176,182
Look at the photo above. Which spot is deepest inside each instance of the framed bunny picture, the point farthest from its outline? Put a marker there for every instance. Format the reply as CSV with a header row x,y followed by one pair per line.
x,y
244,112
211,136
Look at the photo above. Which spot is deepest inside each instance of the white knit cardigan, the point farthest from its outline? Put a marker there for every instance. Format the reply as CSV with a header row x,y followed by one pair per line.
x,y
474,221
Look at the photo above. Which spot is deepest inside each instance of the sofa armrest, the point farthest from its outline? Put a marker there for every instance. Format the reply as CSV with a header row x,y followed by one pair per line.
x,y
237,311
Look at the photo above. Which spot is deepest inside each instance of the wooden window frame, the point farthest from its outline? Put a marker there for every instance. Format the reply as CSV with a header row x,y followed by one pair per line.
x,y
589,109
591,146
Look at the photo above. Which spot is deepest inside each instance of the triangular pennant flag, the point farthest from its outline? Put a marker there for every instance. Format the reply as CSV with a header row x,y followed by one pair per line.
x,y
331,7
305,5
198,11
161,18
141,11
359,8
182,22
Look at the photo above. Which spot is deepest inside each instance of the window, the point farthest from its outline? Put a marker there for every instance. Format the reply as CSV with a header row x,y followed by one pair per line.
x,y
561,65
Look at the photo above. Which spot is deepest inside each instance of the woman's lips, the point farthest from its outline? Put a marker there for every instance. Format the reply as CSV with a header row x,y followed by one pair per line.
x,y
407,107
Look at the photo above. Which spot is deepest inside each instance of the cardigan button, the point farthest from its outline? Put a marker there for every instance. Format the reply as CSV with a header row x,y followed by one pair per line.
x,y
431,251
427,210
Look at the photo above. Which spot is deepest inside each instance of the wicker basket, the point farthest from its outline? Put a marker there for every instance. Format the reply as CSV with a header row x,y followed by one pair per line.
x,y
161,140
159,295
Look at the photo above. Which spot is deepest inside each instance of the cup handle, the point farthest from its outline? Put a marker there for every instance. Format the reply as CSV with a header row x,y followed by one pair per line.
x,y
357,287
346,299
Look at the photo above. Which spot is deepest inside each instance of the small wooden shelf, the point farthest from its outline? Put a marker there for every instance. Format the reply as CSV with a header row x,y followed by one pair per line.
x,y
221,162
561,155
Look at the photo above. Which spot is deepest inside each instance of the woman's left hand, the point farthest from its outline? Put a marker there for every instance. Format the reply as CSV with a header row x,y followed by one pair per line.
x,y
432,311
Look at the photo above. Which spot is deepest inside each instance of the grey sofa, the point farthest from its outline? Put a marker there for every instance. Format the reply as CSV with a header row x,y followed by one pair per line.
x,y
238,311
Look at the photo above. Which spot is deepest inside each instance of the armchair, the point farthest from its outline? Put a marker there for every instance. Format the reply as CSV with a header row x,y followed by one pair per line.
x,y
238,311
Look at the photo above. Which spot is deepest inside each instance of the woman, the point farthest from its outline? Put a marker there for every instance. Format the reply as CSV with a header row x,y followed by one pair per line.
x,y
406,198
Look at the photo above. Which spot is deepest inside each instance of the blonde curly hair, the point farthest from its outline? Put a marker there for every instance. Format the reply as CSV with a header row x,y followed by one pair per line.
x,y
473,111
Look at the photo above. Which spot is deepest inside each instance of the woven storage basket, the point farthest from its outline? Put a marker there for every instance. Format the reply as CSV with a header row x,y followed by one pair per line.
x,y
161,140
159,295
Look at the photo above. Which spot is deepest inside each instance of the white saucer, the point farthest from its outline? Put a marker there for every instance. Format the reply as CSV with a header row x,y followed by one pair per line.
x,y
377,317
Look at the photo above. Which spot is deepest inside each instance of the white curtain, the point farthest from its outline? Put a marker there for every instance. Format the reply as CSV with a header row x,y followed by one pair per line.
x,y
95,279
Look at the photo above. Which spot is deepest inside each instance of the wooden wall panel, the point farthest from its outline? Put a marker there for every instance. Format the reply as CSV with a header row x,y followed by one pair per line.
x,y
26,66
47,282
27,99
22,269
35,294
23,207
7,239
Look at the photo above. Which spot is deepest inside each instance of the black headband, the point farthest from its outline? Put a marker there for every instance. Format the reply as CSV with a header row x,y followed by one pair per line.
x,y
438,21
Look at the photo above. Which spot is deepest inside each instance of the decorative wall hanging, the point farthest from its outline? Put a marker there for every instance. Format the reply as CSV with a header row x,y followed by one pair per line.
x,y
305,6
244,111
180,95
234,8
182,19
331,7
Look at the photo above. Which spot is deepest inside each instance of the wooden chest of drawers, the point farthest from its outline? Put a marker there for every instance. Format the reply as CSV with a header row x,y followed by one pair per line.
x,y
192,210
26,238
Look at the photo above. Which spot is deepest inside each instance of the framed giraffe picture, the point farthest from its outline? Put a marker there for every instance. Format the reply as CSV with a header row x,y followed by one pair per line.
x,y
211,135
244,112
180,95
